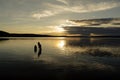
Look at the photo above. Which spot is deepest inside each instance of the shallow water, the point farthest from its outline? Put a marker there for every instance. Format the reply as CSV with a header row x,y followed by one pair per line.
x,y
60,58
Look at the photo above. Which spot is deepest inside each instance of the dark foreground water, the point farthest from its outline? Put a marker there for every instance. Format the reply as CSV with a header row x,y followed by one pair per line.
x,y
60,58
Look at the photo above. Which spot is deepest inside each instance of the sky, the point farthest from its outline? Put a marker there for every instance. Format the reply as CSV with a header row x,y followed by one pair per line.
x,y
48,16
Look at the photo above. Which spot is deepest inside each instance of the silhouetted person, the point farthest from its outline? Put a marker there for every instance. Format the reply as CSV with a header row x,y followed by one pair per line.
x,y
40,49
39,45
35,48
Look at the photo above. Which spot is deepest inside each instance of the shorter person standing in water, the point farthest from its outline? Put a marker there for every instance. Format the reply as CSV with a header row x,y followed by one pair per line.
x,y
35,48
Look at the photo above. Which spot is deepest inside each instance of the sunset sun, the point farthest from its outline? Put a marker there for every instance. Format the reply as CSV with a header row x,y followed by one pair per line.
x,y
60,29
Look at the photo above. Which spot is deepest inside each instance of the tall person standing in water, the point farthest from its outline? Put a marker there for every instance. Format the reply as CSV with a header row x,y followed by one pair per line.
x,y
39,45
40,49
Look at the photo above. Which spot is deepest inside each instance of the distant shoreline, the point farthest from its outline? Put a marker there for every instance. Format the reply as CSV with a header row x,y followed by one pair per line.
x,y
6,34
65,36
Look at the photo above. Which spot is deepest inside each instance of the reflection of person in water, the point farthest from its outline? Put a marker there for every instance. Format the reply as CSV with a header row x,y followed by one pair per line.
x,y
39,49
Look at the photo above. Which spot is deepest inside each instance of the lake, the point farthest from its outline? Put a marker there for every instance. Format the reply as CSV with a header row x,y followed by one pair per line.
x,y
60,58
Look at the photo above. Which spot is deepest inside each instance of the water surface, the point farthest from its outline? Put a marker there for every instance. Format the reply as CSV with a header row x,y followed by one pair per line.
x,y
60,58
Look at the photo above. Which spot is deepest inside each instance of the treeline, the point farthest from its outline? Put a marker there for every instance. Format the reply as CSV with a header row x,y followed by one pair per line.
x,y
6,34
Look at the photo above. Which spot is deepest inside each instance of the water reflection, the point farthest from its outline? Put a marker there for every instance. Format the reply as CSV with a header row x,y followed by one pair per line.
x,y
38,49
101,47
99,53
3,39
93,42
54,62
61,44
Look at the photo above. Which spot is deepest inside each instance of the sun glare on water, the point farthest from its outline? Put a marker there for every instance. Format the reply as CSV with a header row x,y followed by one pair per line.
x,y
61,44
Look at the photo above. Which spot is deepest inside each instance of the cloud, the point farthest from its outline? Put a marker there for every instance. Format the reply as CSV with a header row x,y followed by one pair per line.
x,y
95,26
75,6
82,8
45,13
63,1
86,31
93,7
96,22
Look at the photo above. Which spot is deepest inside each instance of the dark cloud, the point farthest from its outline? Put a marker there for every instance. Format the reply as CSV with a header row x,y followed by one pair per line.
x,y
97,29
94,30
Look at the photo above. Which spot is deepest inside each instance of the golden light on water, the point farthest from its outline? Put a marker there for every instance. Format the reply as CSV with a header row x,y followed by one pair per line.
x,y
61,44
